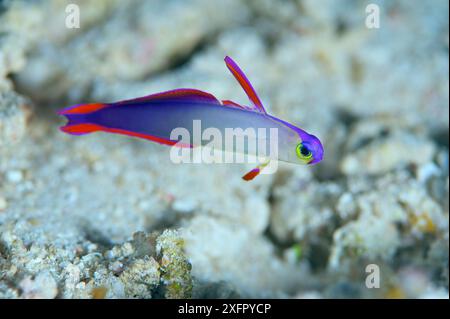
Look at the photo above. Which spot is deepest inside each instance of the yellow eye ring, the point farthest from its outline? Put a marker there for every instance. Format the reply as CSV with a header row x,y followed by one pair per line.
x,y
303,153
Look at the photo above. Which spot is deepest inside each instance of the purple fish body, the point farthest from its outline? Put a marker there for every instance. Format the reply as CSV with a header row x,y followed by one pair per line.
x,y
155,117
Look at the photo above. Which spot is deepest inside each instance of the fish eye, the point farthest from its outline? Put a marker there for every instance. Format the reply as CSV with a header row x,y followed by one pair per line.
x,y
303,152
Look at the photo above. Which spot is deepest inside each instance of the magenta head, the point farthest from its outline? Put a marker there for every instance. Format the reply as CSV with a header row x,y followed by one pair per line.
x,y
311,148
308,148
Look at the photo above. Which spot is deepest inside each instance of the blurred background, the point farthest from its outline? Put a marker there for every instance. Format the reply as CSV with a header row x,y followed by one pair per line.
x,y
107,216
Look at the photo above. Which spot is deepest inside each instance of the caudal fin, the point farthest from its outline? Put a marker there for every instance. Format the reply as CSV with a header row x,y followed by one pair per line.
x,y
77,118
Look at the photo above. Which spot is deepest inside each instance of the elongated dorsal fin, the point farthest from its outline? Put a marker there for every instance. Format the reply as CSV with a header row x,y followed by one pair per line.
x,y
245,83
176,95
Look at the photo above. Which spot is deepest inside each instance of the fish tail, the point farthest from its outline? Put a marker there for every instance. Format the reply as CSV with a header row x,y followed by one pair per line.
x,y
78,119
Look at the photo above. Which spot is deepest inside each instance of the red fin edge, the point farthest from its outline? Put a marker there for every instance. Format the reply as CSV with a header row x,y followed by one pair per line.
x,y
245,83
156,139
231,103
86,128
251,175
177,94
82,108
80,129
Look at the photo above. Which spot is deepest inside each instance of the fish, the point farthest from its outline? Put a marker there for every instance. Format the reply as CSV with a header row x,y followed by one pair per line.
x,y
154,117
